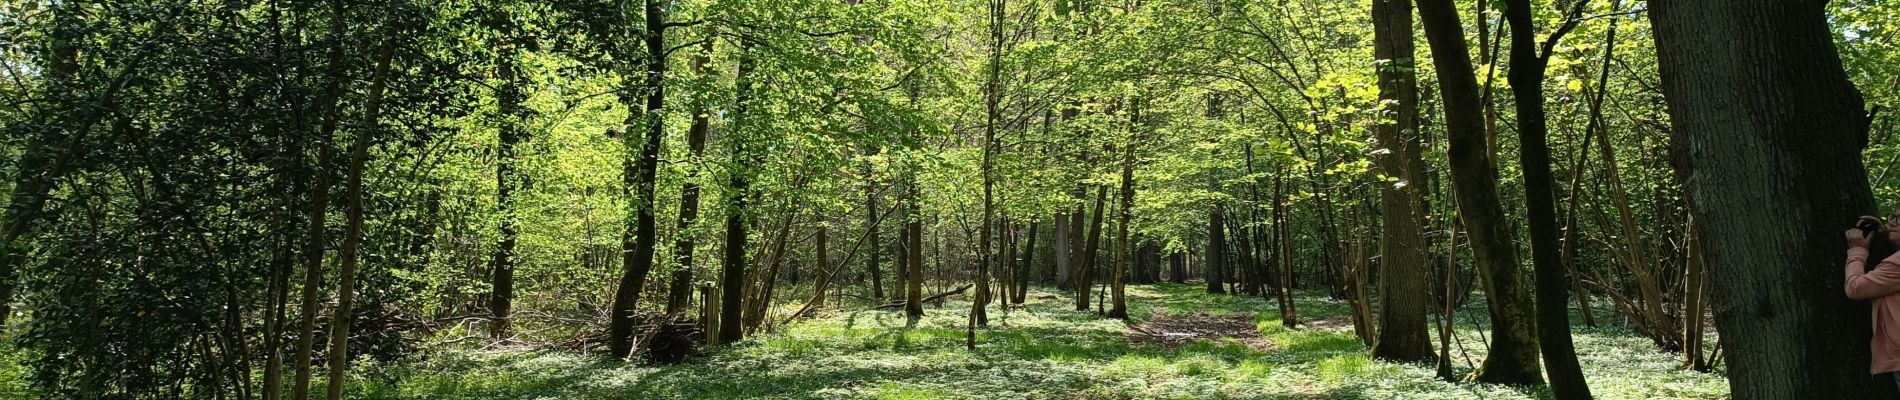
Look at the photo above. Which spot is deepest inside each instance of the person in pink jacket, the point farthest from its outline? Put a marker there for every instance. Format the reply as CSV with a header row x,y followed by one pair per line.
x,y
1879,284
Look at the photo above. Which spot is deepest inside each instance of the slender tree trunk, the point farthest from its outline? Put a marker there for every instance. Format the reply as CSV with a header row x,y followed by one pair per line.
x,y
824,266
1694,292
1527,84
913,252
1403,287
1086,274
1283,252
680,292
875,258
1029,259
1119,310
640,239
1513,355
508,97
339,356
1216,250
1769,133
319,208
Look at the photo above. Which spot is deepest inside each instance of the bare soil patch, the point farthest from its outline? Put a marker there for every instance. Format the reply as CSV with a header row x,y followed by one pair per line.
x,y
1173,330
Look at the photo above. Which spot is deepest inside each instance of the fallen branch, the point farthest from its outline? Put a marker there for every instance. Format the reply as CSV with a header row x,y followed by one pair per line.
x,y
935,297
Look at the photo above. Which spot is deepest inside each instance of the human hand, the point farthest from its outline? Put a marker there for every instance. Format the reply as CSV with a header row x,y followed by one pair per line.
x,y
1856,238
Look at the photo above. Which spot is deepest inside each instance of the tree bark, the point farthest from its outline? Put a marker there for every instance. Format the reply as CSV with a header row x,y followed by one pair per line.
x,y
1527,84
638,241
1085,276
1769,131
1513,355
1118,299
508,98
913,252
680,292
1403,298
732,280
1216,250
339,356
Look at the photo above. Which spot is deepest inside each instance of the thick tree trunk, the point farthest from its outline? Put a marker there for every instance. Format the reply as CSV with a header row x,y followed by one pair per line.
x,y
1513,355
732,279
680,291
640,239
1403,298
1553,301
1062,250
1769,132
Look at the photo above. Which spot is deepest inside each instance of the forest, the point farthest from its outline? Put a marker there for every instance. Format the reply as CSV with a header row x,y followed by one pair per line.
x,y
925,199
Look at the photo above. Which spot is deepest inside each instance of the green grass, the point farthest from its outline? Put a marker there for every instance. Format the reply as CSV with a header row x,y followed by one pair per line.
x,y
1047,351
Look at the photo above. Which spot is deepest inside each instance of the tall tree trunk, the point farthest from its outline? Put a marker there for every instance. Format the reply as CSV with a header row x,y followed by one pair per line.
x,y
1085,274
1119,310
913,252
732,279
1527,86
339,356
680,292
1283,252
1769,133
508,98
1403,296
319,208
875,258
640,239
1513,355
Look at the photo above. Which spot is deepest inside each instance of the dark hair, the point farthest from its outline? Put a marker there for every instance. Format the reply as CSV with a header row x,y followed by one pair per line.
x,y
1869,225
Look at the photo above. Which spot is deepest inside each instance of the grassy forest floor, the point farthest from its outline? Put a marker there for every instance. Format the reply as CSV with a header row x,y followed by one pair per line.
x,y
1044,351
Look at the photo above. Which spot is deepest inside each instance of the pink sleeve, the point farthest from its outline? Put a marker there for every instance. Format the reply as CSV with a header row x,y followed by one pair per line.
x,y
1862,284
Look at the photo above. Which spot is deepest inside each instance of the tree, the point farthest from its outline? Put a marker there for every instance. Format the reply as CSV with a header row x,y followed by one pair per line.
x,y
348,256
1513,355
1529,60
1120,308
680,291
508,96
1402,283
1767,127
639,239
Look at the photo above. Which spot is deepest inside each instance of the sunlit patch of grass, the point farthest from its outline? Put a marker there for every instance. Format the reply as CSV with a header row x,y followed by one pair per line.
x,y
1341,368
897,391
